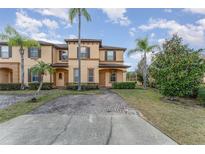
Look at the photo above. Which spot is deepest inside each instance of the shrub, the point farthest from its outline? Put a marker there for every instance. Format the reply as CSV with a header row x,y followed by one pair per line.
x,y
201,95
35,85
177,70
123,85
84,86
10,86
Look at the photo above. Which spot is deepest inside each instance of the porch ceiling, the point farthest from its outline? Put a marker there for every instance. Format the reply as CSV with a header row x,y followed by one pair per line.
x,y
113,66
60,65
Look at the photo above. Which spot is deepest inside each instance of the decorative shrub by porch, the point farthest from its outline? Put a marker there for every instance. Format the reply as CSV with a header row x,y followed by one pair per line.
x,y
35,85
10,86
84,86
123,85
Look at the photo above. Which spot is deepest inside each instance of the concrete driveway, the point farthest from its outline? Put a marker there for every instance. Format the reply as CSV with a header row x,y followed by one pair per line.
x,y
82,119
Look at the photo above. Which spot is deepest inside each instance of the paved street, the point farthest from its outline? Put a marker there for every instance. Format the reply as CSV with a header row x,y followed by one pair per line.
x,y
82,119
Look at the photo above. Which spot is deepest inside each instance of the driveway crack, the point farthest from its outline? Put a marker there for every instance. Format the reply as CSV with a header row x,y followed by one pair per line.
x,y
110,132
65,129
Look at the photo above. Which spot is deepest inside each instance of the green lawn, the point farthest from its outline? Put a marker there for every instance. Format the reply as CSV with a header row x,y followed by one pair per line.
x,y
184,123
27,106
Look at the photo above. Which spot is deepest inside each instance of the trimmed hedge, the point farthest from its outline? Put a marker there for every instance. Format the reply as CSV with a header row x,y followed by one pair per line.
x,y
84,86
35,85
10,86
123,85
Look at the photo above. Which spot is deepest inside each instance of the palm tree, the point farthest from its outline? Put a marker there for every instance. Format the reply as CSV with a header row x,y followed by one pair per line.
x,y
41,68
15,39
72,14
142,45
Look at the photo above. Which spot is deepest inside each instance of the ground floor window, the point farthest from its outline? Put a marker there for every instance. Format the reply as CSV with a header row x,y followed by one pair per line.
x,y
113,76
75,74
4,51
35,77
90,75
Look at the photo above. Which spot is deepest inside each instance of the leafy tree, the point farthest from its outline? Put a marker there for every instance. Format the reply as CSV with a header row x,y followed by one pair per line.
x,y
72,14
142,45
15,39
42,69
178,70
131,76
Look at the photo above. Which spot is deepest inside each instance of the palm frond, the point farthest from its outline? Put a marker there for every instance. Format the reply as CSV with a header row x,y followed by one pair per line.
x,y
86,14
72,14
133,51
31,43
152,47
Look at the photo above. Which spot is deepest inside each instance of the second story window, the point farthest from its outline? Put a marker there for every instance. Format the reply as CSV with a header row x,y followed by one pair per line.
x,y
4,52
63,55
85,52
110,55
34,53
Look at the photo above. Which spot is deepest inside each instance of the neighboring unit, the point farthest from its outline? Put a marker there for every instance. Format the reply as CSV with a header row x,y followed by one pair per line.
x,y
99,64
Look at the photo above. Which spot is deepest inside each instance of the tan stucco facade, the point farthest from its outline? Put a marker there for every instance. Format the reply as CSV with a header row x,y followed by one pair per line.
x,y
50,53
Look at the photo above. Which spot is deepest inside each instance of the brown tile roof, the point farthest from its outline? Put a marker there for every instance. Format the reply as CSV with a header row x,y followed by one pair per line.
x,y
61,46
113,66
84,40
112,47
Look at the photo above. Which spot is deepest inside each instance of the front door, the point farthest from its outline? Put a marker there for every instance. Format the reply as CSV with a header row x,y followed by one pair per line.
x,y
60,79
102,79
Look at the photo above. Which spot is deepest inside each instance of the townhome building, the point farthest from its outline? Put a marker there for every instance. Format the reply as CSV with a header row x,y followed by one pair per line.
x,y
100,64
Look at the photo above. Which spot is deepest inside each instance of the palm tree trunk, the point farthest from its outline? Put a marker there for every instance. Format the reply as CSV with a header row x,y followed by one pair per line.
x,y
21,50
79,49
145,70
39,88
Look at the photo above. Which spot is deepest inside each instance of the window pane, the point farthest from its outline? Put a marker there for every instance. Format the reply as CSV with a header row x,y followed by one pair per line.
x,y
34,52
113,76
110,55
35,78
84,52
90,75
64,55
75,75
4,51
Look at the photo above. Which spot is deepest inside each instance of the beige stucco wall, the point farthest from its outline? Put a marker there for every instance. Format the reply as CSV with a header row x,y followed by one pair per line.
x,y
13,67
85,65
46,56
93,62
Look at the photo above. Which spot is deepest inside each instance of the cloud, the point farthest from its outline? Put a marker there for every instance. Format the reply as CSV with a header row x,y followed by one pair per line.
x,y
195,10
161,41
132,31
191,33
168,10
33,28
117,16
58,13
52,24
139,55
71,36
26,23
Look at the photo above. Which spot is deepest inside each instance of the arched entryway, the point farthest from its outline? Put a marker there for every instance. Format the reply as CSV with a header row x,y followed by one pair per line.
x,y
6,75
108,76
60,77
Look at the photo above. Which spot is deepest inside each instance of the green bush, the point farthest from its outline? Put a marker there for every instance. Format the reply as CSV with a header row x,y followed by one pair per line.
x,y
84,86
35,85
178,69
10,86
201,95
123,85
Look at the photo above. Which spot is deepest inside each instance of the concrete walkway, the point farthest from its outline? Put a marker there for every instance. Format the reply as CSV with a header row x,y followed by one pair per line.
x,y
82,119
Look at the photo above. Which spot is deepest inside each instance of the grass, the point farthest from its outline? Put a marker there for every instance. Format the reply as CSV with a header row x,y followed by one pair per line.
x,y
184,123
27,106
